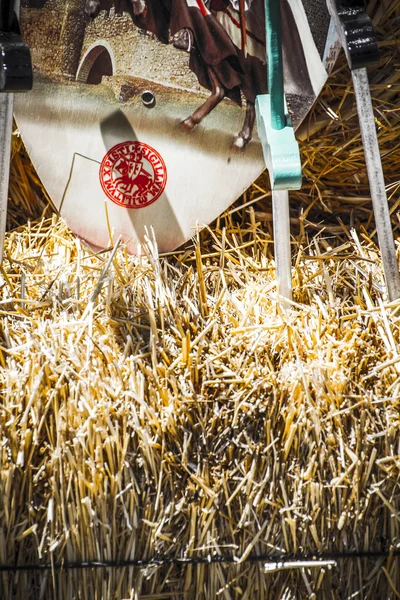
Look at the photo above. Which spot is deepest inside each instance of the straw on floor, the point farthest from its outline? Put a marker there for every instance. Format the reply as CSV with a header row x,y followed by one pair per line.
x,y
171,407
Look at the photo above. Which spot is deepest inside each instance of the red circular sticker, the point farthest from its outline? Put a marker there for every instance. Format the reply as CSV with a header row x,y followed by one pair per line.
x,y
133,175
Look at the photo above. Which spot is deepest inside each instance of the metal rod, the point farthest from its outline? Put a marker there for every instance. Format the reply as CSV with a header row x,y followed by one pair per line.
x,y
376,182
275,63
283,255
6,123
301,564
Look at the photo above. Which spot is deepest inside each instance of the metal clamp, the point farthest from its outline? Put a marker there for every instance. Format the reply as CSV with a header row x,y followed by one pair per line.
x,y
15,58
356,32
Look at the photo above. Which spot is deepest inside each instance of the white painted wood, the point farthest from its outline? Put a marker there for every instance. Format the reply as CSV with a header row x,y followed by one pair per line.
x,y
283,258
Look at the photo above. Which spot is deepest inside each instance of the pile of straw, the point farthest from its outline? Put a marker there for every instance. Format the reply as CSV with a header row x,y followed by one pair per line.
x,y
171,408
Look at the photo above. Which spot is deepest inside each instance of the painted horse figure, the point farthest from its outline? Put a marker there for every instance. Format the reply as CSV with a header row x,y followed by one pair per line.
x,y
226,47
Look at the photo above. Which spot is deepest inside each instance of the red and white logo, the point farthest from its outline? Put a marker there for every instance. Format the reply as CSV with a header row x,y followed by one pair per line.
x,y
133,175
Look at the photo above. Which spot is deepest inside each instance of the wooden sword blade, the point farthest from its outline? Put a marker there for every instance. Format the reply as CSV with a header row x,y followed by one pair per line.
x,y
6,123
376,182
283,255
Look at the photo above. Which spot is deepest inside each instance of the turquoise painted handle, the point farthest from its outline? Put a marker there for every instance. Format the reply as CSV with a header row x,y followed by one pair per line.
x,y
280,148
275,63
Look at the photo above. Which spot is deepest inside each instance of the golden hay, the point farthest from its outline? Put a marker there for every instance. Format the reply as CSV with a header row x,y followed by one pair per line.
x,y
170,407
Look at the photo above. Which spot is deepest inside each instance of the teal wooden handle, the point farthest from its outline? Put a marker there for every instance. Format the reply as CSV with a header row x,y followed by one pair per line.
x,y
280,148
275,63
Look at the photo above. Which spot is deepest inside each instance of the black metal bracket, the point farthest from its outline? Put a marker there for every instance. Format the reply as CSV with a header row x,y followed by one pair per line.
x,y
16,73
356,32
